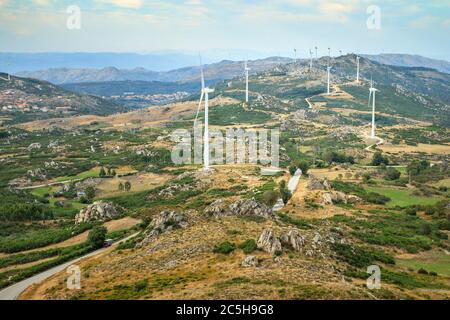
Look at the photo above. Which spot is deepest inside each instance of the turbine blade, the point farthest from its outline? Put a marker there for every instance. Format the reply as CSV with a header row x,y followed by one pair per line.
x,y
198,109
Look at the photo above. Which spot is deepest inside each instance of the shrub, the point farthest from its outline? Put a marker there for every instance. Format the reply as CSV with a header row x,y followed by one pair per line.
x,y
224,248
425,229
270,198
411,211
392,174
378,159
248,246
422,271
97,236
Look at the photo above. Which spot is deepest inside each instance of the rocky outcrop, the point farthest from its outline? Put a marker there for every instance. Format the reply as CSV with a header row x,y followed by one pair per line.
x,y
269,242
218,208
242,207
34,146
166,221
335,197
98,211
250,207
250,261
317,184
37,174
293,239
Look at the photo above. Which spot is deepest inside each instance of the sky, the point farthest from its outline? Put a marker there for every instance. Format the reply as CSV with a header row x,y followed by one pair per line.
x,y
228,28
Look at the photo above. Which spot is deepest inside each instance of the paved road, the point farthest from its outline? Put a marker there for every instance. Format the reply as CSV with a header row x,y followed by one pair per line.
x,y
292,187
13,291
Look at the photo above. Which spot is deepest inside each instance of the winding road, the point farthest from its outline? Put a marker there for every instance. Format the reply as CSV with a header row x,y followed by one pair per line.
x,y
12,292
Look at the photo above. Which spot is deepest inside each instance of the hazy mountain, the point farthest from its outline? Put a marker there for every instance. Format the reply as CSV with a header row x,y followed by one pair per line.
x,y
16,62
217,71
407,60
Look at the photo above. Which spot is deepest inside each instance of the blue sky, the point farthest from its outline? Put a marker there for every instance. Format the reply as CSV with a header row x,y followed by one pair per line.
x,y
227,27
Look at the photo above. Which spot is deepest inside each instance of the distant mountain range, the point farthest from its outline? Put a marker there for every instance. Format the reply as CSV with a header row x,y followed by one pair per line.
x,y
16,62
225,69
407,60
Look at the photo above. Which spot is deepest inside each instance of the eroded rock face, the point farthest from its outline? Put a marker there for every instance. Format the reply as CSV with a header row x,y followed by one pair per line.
x,y
293,239
166,221
98,211
269,242
218,208
250,261
242,207
250,207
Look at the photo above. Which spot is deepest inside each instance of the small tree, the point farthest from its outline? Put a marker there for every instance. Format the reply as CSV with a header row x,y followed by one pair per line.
x,y
392,174
102,172
121,186
127,186
109,171
114,173
270,198
292,170
90,192
379,159
97,236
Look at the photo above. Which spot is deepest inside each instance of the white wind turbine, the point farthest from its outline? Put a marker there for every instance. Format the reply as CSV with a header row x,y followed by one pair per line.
x,y
373,91
246,69
357,69
205,94
328,71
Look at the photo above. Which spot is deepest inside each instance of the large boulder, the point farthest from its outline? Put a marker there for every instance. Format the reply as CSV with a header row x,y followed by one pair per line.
x,y
250,261
269,242
98,211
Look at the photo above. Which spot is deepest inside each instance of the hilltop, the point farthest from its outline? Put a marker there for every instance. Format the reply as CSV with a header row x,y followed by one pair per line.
x,y
24,99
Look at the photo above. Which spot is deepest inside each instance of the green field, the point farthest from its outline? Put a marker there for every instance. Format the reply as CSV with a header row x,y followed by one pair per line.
x,y
436,261
403,197
94,172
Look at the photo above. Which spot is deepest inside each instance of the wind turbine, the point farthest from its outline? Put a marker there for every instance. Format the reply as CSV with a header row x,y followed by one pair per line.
x,y
205,94
357,69
295,56
328,72
373,91
316,52
247,69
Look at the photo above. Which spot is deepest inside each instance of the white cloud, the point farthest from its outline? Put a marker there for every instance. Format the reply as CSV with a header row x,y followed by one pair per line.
x,y
424,22
132,4
42,3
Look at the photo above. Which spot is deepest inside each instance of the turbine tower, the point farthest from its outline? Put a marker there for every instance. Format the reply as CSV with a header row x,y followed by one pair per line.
x,y
373,91
316,52
205,94
247,69
311,60
328,72
357,69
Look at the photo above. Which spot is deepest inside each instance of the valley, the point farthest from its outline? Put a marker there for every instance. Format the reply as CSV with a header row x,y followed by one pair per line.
x,y
360,201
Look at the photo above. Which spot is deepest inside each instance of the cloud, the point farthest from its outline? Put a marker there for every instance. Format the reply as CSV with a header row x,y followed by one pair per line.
x,y
42,3
424,22
132,4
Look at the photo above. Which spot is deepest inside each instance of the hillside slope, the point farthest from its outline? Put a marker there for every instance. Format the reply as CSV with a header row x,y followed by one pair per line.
x,y
22,98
